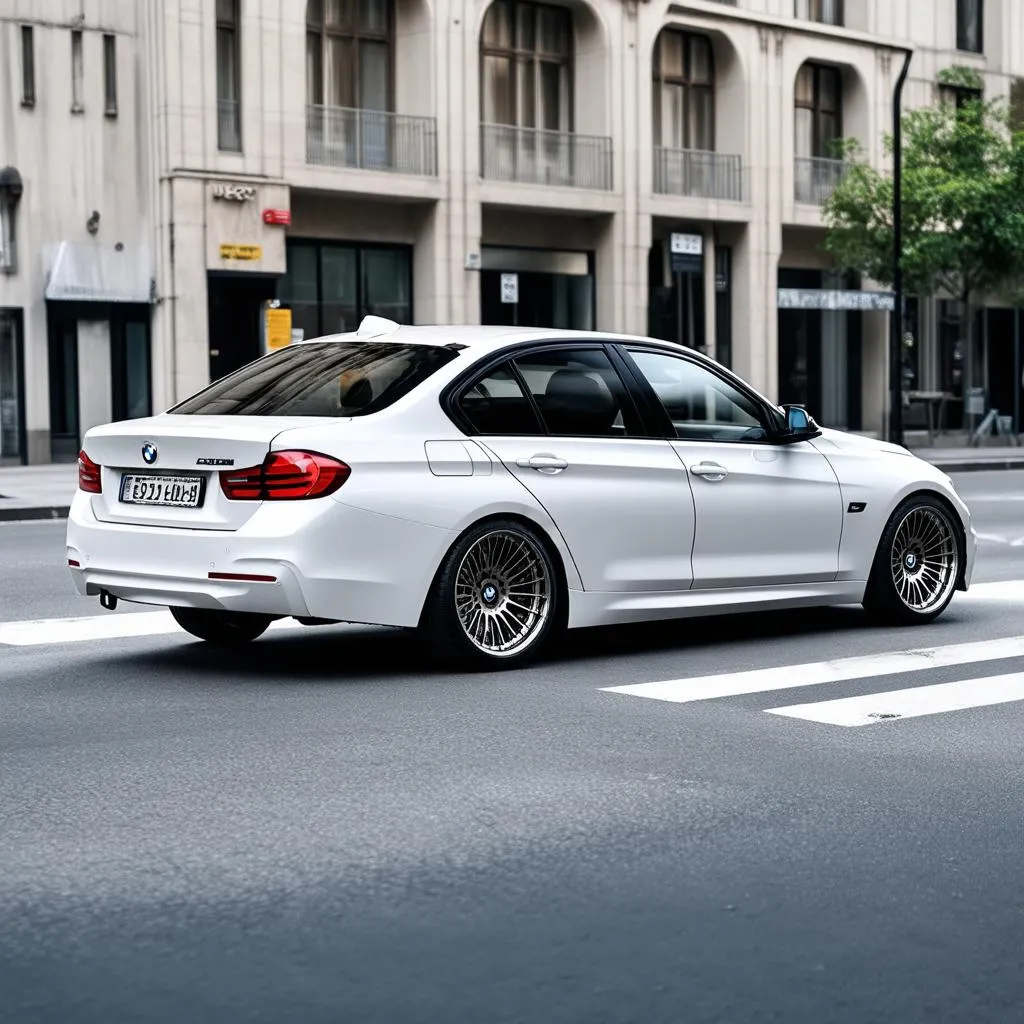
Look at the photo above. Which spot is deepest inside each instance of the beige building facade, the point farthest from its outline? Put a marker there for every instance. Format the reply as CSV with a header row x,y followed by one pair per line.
x,y
613,165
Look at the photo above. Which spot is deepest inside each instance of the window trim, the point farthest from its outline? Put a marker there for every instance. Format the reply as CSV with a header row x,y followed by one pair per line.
x,y
109,75
771,420
451,394
355,35
28,66
514,55
660,79
962,21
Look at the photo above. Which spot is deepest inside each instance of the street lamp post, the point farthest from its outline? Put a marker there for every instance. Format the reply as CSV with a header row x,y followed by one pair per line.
x,y
896,324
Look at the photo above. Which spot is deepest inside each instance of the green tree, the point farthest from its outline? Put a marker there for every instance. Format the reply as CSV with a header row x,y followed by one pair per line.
x,y
962,204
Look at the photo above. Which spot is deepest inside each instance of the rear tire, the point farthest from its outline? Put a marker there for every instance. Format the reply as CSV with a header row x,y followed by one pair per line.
x,y
497,600
225,629
917,564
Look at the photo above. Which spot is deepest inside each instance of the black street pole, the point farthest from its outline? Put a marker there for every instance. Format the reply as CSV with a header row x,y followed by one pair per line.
x,y
896,325
1018,383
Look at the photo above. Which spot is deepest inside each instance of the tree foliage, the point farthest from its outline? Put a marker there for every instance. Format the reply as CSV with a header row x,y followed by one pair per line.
x,y
962,202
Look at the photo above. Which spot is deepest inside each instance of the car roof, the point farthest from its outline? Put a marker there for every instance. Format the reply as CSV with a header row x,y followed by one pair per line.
x,y
480,339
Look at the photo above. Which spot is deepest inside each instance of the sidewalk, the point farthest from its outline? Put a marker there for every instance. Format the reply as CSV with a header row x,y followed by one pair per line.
x,y
44,492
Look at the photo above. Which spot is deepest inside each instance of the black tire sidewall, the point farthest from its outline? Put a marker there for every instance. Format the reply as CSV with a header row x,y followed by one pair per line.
x,y
441,628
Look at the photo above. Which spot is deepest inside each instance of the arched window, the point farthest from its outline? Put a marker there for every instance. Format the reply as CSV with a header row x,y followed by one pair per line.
x,y
684,91
349,48
526,58
819,110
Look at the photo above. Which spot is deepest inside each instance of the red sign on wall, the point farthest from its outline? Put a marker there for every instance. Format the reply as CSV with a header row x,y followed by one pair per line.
x,y
277,217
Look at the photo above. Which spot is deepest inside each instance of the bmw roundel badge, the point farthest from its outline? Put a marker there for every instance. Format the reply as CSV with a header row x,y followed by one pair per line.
x,y
149,453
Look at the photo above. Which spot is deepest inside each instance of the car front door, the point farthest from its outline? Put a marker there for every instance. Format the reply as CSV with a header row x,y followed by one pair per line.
x,y
562,422
767,514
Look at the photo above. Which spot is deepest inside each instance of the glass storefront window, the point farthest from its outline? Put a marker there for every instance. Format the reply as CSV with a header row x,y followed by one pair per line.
x,y
331,286
10,387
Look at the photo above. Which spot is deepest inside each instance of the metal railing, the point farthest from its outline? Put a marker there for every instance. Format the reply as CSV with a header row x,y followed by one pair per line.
x,y
229,126
697,173
537,157
815,178
372,140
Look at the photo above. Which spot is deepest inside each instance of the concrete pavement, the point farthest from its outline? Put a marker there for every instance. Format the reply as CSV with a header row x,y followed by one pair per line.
x,y
44,492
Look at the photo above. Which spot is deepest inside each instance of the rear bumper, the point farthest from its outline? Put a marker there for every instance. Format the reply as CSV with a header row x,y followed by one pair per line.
x,y
324,559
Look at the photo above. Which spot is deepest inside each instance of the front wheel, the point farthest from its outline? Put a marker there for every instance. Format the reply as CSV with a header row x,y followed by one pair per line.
x,y
496,601
917,564
225,629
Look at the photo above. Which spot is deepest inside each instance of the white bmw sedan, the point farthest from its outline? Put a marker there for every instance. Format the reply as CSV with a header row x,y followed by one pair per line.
x,y
491,487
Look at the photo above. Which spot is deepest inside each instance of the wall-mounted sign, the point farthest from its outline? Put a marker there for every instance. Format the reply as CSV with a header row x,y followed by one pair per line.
x,y
510,288
241,252
277,217
277,328
823,298
234,193
686,245
473,261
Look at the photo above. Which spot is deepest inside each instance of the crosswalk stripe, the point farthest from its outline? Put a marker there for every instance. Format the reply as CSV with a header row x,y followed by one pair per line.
x,y
789,677
111,626
876,708
1001,590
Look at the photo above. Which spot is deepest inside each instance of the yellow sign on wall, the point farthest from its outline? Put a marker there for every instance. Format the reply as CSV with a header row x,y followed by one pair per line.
x,y
241,252
277,328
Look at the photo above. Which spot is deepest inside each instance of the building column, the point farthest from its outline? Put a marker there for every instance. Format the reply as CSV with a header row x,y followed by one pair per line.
x,y
187,322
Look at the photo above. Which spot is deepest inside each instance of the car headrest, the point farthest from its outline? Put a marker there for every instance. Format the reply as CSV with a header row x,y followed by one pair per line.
x,y
576,403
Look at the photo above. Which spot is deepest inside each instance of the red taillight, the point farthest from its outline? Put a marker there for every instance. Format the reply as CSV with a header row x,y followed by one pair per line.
x,y
89,475
285,476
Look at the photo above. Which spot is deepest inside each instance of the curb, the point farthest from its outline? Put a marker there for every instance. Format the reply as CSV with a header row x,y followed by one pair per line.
x,y
977,466
14,515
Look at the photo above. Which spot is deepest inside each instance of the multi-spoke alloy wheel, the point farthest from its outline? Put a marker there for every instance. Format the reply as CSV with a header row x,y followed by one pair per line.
x,y
497,599
917,565
924,559
502,592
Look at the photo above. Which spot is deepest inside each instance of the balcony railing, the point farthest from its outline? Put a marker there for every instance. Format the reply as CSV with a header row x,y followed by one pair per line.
x,y
229,126
372,140
815,178
697,173
537,157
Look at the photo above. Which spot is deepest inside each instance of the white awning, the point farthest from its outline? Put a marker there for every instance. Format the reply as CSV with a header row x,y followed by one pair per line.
x,y
90,272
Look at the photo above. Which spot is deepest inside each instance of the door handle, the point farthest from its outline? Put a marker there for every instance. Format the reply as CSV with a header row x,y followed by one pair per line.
x,y
543,463
710,471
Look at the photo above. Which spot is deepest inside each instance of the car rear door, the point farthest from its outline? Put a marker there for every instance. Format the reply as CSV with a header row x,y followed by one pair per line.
x,y
561,421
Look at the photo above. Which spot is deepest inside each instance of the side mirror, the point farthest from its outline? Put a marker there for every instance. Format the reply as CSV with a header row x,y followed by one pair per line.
x,y
797,420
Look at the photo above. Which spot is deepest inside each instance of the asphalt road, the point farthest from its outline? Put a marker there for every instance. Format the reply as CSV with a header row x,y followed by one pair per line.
x,y
318,829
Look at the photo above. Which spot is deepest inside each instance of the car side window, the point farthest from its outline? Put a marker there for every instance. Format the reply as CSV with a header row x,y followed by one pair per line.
x,y
701,406
579,393
496,404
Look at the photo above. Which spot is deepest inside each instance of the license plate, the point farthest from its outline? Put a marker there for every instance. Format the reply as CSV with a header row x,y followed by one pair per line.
x,y
176,491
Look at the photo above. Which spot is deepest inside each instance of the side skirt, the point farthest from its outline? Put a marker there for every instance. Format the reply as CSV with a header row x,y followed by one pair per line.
x,y
590,608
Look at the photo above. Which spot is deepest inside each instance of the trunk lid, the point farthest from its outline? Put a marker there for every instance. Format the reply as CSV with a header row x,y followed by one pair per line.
x,y
190,453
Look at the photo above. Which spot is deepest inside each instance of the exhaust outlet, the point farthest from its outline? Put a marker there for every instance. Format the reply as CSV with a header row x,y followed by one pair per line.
x,y
107,600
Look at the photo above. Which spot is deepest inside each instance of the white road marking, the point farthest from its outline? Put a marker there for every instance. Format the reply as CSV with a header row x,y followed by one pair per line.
x,y
791,677
35,632
876,708
1001,590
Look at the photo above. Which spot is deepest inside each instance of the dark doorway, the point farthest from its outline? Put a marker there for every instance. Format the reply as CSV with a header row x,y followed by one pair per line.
x,y
12,387
235,304
545,300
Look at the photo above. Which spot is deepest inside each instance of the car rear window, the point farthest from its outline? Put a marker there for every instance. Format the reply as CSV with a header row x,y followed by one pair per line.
x,y
320,379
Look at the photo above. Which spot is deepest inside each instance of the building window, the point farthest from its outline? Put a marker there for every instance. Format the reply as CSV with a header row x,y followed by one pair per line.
x,y
958,95
827,12
684,91
349,48
229,112
818,110
77,73
970,25
110,75
526,57
28,67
